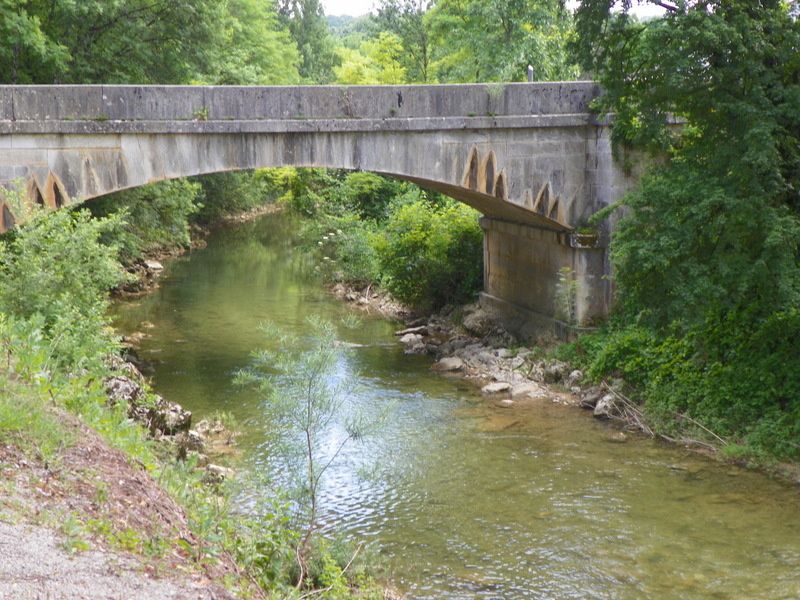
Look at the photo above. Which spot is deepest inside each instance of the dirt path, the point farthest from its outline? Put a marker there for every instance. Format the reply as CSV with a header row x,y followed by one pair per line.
x,y
35,564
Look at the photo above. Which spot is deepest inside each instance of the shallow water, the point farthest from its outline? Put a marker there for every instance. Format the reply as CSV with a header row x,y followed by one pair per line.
x,y
462,499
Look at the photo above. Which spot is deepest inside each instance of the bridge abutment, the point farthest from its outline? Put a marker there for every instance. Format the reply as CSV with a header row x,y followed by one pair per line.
x,y
541,283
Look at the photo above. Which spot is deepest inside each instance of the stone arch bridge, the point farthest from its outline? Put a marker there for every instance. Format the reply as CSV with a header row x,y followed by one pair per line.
x,y
529,156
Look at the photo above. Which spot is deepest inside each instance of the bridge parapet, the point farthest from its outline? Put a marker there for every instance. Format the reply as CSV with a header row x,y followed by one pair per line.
x,y
186,103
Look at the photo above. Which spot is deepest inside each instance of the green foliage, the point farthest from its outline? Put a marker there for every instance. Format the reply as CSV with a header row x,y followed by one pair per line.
x,y
26,417
306,401
370,195
431,256
344,248
375,62
56,269
145,41
233,193
156,216
306,189
305,20
406,20
254,49
476,40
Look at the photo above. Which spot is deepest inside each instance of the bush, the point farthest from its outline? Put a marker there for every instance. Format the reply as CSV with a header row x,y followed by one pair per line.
x,y
370,195
343,248
431,256
737,375
56,270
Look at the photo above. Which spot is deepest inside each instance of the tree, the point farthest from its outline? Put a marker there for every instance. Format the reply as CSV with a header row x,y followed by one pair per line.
x,y
496,40
307,403
376,62
25,48
707,253
144,41
305,20
406,19
254,48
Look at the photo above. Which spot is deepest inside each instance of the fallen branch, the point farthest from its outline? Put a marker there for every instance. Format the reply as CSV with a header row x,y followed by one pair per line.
x,y
630,414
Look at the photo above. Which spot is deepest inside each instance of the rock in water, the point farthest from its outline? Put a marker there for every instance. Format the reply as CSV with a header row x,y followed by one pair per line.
x,y
526,390
606,407
411,339
496,388
450,364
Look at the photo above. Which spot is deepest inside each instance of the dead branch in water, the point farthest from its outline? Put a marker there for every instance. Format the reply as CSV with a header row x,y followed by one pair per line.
x,y
634,417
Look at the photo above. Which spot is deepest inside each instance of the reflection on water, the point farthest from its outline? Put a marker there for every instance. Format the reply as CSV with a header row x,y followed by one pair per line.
x,y
462,499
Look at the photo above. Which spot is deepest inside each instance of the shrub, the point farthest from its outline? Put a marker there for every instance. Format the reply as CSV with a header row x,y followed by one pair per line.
x,y
56,269
370,195
431,256
344,248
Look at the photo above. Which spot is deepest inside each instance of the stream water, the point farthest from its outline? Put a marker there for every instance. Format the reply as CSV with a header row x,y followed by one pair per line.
x,y
462,499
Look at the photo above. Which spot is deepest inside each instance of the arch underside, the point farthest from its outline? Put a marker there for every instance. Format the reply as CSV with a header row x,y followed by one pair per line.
x,y
453,165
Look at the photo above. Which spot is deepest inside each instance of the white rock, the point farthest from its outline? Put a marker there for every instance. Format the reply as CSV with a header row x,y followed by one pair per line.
x,y
411,339
606,407
525,390
496,388
574,378
153,265
506,403
451,363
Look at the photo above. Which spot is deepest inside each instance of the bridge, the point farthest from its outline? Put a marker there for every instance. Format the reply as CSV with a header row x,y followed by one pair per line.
x,y
531,157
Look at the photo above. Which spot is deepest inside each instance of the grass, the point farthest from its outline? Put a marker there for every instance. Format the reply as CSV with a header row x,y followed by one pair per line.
x,y
28,421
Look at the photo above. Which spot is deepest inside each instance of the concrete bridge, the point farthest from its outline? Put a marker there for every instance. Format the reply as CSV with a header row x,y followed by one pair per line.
x,y
530,157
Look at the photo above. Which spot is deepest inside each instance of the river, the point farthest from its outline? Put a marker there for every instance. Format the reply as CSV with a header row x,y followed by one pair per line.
x,y
462,499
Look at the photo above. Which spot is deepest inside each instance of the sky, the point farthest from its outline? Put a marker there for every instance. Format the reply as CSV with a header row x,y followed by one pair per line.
x,y
362,7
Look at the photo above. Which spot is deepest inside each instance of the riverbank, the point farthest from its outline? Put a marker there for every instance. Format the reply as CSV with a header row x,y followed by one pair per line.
x,y
468,343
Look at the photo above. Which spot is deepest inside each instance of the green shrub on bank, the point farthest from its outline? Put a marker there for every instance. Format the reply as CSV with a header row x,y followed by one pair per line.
x,y
56,272
432,255
343,248
738,376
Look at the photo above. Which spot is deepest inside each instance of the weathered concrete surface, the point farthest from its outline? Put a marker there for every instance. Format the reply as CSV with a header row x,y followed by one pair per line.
x,y
524,154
